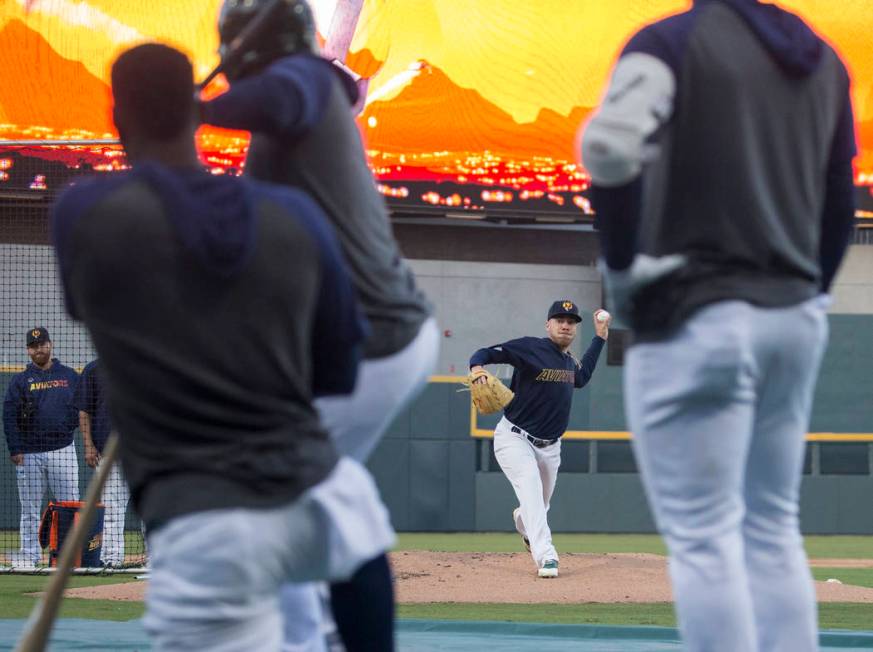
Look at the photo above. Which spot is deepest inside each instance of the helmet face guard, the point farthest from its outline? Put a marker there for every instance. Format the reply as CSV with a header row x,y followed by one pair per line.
x,y
292,31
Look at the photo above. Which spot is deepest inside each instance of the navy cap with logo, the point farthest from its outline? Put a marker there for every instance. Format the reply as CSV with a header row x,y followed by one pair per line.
x,y
37,335
564,308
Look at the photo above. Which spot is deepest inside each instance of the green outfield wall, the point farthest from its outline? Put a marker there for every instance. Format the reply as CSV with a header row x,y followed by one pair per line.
x,y
435,476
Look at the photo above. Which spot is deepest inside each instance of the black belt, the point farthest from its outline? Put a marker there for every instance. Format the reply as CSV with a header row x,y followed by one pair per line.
x,y
536,441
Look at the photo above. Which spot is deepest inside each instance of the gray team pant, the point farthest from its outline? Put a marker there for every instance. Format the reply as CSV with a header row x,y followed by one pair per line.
x,y
719,414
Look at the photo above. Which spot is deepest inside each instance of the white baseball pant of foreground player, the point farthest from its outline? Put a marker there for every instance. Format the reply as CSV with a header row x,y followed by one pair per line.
x,y
384,387
58,470
723,429
356,423
327,533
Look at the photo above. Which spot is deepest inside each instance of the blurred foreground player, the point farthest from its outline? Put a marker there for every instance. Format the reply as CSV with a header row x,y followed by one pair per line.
x,y
219,307
299,108
721,161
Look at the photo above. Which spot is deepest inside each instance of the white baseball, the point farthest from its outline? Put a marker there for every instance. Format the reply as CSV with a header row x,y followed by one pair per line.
x,y
602,315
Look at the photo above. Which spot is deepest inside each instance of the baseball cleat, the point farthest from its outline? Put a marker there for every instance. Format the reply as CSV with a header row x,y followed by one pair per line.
x,y
524,539
548,569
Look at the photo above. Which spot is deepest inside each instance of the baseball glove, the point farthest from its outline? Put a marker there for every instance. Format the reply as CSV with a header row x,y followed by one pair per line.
x,y
490,396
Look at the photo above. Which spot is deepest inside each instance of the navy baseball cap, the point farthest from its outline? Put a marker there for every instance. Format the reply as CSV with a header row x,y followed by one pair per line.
x,y
564,308
37,335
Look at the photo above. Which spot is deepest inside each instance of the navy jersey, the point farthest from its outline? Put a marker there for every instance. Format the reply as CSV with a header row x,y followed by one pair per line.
x,y
90,396
219,307
543,380
299,110
37,413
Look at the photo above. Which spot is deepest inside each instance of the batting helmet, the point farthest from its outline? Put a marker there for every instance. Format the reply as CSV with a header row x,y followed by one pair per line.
x,y
292,30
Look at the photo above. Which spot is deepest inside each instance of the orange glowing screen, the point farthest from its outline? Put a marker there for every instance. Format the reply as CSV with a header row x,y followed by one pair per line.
x,y
470,103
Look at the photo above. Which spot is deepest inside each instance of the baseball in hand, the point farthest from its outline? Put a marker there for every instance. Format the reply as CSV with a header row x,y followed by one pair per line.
x,y
602,315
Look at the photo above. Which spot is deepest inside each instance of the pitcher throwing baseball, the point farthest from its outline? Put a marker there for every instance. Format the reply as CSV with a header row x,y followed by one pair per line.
x,y
527,440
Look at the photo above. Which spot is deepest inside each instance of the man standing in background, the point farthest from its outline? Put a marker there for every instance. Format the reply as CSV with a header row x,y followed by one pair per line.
x,y
737,117
39,420
89,398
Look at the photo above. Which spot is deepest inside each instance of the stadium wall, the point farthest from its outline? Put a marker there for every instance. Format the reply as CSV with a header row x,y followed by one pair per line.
x,y
436,477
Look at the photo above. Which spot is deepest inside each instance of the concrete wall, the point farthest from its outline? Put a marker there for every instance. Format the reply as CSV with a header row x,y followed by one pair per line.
x,y
31,295
479,304
853,288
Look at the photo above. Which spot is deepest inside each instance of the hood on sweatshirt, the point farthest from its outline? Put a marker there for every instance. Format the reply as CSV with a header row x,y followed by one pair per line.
x,y
789,40
213,215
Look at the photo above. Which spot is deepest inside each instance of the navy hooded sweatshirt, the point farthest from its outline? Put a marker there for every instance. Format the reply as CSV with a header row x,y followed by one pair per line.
x,y
752,180
219,307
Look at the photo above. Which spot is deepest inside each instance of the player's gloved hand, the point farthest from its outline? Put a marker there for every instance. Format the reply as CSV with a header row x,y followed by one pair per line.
x,y
622,285
488,393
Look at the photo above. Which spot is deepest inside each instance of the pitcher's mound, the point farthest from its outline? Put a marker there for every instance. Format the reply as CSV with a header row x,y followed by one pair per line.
x,y
511,577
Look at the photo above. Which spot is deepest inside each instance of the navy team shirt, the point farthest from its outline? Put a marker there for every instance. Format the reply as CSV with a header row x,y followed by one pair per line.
x,y
543,380
90,397
45,394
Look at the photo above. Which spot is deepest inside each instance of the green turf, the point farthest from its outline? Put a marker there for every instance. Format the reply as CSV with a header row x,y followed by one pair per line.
x,y
133,542
834,615
845,615
854,576
658,613
841,547
15,603
506,542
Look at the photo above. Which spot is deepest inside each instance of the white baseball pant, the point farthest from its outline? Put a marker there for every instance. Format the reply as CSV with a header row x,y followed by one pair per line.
x,y
384,386
719,414
215,575
356,422
115,497
532,472
57,470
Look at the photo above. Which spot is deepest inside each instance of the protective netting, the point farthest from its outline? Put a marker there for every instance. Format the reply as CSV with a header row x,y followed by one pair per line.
x,y
46,395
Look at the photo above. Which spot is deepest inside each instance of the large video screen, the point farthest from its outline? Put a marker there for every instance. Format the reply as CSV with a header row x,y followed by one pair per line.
x,y
471,105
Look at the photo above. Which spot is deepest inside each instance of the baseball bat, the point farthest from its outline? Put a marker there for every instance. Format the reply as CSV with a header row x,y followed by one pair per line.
x,y
239,45
39,625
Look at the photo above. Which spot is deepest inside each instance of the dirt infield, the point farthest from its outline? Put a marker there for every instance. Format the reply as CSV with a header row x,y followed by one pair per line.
x,y
511,578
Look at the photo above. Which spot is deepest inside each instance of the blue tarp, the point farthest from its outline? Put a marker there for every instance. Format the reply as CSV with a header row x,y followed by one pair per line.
x,y
431,636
